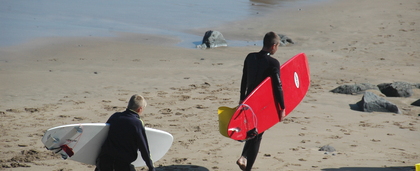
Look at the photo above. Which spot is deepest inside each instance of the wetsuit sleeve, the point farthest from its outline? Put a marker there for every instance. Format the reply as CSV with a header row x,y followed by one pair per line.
x,y
278,86
244,81
144,146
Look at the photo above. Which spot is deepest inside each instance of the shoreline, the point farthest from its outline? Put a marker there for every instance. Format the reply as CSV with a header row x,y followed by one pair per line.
x,y
56,81
186,37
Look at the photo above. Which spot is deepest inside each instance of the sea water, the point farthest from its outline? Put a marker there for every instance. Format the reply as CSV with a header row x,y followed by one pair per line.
x,y
22,20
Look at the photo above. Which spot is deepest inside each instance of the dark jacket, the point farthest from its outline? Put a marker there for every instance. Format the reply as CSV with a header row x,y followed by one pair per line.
x,y
126,136
257,67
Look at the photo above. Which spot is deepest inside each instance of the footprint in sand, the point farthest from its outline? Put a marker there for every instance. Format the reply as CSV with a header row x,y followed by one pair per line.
x,y
31,110
78,118
165,111
162,94
201,107
335,137
113,108
305,141
212,98
374,140
182,97
13,110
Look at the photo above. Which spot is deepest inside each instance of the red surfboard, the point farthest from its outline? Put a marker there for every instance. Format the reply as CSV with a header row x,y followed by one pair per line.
x,y
259,111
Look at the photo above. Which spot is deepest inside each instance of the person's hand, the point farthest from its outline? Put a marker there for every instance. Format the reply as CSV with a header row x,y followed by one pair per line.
x,y
282,114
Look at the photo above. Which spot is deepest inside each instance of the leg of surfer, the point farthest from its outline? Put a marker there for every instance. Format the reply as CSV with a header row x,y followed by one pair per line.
x,y
123,166
249,153
105,163
241,162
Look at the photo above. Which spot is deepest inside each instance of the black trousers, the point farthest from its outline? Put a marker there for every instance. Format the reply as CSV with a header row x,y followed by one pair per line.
x,y
250,151
108,163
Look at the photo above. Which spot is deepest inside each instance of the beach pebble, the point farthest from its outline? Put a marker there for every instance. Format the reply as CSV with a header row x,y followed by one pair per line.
x,y
327,148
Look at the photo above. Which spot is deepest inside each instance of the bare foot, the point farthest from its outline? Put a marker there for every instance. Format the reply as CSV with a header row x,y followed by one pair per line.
x,y
241,163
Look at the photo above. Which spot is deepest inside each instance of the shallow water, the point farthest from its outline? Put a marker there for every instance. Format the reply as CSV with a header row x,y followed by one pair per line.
x,y
23,20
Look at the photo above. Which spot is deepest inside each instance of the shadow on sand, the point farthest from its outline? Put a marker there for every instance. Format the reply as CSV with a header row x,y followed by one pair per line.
x,y
396,168
355,107
181,167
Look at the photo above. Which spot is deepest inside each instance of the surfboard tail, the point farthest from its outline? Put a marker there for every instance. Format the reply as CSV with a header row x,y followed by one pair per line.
x,y
243,124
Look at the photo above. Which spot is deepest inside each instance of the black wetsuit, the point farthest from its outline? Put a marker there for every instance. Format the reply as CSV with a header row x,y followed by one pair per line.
x,y
126,136
257,67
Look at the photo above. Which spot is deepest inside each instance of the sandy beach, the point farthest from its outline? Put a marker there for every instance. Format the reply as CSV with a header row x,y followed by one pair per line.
x,y
49,82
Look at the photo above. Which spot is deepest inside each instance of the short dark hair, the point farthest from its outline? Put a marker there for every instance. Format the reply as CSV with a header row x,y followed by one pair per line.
x,y
270,39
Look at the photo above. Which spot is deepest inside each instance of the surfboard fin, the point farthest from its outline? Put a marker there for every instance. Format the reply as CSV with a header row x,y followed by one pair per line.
x,y
49,144
67,150
234,129
57,144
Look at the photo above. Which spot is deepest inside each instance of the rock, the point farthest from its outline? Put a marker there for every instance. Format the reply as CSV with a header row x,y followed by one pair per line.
x,y
354,89
327,148
416,85
284,40
373,103
396,89
416,103
212,39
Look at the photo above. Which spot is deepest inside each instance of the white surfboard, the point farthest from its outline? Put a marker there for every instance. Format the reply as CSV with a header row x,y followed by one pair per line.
x,y
85,140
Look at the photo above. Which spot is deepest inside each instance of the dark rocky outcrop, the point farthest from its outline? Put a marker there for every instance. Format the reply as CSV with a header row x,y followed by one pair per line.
x,y
416,103
212,39
416,85
396,89
373,103
284,40
354,89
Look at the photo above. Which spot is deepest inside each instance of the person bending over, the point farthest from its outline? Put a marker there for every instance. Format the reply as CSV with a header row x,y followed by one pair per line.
x,y
126,136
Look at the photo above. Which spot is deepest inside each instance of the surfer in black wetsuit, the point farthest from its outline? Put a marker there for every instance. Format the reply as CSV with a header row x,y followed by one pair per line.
x,y
257,67
126,136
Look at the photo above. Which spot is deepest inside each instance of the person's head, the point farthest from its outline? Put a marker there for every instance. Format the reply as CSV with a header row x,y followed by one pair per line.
x,y
271,42
137,103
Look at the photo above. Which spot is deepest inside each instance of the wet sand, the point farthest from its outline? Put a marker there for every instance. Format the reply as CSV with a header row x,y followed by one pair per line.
x,y
55,81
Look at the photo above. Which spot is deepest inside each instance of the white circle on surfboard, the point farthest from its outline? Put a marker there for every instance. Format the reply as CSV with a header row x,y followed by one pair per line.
x,y
296,76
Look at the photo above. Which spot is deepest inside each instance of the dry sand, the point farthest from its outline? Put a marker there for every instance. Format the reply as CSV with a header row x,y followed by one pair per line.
x,y
55,81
